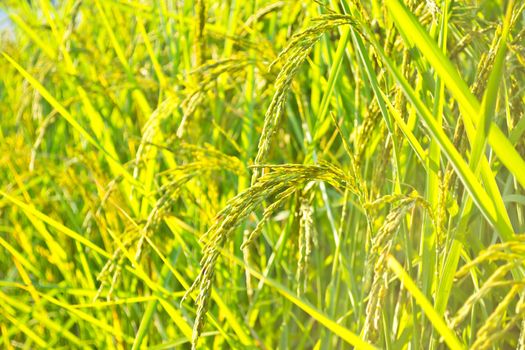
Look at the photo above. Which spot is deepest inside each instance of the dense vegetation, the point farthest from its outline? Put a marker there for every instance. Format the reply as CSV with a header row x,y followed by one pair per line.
x,y
262,174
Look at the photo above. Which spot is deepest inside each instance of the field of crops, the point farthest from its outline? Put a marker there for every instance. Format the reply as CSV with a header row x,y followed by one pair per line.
x,y
262,174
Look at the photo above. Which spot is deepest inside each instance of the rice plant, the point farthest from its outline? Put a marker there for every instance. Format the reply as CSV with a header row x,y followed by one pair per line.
x,y
262,174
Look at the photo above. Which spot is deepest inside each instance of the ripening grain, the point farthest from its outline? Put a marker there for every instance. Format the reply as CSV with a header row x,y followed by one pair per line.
x,y
262,174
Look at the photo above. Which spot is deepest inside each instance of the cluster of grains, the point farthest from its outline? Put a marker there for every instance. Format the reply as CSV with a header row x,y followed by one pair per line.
x,y
382,243
433,8
306,240
262,12
208,75
293,56
109,276
385,159
41,132
366,131
201,160
487,59
381,246
278,184
485,66
196,92
442,216
200,41
151,129
502,319
517,64
495,328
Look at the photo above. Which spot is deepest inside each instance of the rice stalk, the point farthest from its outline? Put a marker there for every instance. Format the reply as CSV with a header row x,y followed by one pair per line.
x,y
379,176
492,330
202,161
488,286
277,185
207,75
200,40
510,251
293,55
152,129
306,239
260,13
381,246
501,320
203,66
366,131
442,217
40,138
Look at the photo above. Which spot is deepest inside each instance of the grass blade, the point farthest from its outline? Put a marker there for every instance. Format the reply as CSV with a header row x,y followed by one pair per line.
x,y
437,321
471,107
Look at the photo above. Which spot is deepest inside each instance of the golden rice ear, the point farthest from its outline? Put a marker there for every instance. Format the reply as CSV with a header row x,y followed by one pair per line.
x,y
278,184
294,54
306,241
377,272
510,255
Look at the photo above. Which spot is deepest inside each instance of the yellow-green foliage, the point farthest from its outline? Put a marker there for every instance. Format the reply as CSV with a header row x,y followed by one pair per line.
x,y
262,174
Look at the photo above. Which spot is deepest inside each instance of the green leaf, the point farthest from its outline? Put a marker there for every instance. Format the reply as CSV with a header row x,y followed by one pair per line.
x,y
470,106
436,320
